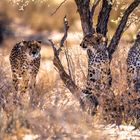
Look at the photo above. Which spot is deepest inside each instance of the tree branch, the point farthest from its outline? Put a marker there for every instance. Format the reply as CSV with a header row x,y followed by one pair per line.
x,y
63,74
117,35
66,28
83,7
95,4
135,21
58,7
104,17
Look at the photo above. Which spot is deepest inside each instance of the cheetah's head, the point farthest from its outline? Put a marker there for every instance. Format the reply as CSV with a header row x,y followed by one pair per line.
x,y
93,41
33,48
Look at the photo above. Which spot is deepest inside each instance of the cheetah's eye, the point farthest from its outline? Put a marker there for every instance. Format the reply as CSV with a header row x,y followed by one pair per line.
x,y
39,41
37,48
84,46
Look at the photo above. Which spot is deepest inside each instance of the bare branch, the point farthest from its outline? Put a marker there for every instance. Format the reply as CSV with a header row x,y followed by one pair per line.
x,y
95,4
83,7
66,28
63,74
104,17
134,21
58,7
117,35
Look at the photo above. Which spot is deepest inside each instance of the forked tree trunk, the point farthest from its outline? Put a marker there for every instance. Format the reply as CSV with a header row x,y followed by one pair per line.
x,y
86,13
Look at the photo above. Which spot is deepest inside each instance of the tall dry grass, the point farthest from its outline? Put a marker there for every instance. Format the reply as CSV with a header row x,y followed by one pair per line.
x,y
54,112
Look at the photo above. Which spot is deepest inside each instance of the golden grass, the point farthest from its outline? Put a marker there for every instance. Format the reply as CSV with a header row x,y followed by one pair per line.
x,y
55,113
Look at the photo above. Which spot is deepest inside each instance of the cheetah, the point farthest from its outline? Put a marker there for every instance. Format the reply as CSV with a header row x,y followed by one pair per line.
x,y
133,66
25,62
99,77
133,80
99,74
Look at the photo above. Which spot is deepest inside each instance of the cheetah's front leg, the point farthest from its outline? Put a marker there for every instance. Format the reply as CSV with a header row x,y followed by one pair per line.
x,y
23,92
31,88
15,81
16,87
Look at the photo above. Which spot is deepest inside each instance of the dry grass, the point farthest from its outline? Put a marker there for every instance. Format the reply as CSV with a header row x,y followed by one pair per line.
x,y
55,113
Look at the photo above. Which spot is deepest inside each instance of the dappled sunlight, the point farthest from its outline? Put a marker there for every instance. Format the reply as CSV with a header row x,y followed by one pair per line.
x,y
56,113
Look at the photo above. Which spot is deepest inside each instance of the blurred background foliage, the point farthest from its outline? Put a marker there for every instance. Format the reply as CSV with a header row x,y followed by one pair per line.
x,y
37,14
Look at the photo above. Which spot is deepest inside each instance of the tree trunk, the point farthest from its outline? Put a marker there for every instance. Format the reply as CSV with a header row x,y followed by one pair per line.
x,y
83,7
104,17
117,36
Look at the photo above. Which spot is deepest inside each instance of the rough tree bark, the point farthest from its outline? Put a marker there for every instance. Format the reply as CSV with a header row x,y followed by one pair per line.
x,y
104,17
83,7
95,4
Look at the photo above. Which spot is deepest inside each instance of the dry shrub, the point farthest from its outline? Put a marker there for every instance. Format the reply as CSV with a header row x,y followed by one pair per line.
x,y
5,83
54,112
131,105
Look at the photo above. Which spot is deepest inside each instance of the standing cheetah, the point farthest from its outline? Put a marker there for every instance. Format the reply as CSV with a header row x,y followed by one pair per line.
x,y
25,62
133,66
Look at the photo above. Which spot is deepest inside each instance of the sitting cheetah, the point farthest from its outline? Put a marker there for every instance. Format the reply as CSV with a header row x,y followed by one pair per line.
x,y
99,74
99,77
133,80
25,62
133,66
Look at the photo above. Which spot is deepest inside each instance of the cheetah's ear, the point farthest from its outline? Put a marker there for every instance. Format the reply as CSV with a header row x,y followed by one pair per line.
x,y
39,41
24,42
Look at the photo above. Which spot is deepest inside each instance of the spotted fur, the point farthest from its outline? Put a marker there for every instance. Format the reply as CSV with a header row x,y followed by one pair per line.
x,y
133,66
25,62
99,77
99,74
